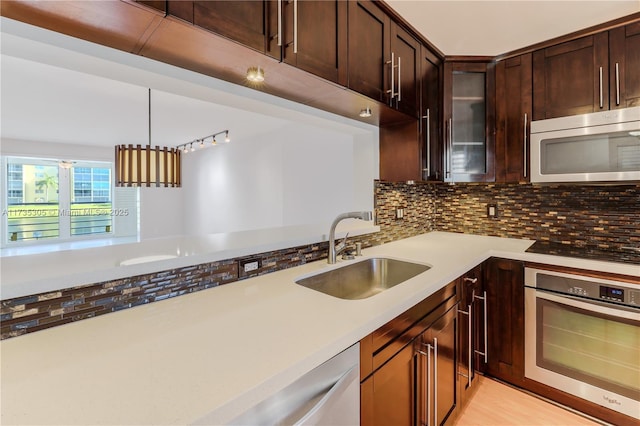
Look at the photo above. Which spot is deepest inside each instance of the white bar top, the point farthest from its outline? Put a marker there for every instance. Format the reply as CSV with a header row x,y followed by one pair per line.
x,y
206,357
73,264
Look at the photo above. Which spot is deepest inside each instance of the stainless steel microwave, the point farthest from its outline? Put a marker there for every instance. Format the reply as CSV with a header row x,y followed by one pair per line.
x,y
597,147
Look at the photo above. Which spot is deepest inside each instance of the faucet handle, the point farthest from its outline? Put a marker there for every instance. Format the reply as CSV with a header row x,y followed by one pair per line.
x,y
341,245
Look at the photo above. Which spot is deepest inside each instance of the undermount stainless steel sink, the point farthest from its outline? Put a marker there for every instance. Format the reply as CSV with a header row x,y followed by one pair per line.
x,y
363,279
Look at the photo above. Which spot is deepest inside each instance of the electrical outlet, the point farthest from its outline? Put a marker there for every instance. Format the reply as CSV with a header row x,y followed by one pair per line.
x,y
250,265
492,211
399,213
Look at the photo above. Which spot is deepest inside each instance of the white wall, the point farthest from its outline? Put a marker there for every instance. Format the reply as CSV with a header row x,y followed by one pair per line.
x,y
162,212
297,174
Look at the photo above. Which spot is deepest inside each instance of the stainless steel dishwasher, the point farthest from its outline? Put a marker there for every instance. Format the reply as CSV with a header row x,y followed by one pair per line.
x,y
327,395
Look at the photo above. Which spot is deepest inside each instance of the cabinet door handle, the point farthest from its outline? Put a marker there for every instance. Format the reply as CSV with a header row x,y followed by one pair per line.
x,y
524,145
601,98
469,315
428,373
435,381
449,157
295,26
391,63
399,79
471,280
617,83
428,147
279,23
484,300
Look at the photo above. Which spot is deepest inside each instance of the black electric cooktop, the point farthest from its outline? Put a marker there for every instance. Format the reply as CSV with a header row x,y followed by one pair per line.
x,y
567,250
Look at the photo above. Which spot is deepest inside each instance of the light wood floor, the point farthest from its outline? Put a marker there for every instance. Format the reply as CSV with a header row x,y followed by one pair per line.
x,y
496,404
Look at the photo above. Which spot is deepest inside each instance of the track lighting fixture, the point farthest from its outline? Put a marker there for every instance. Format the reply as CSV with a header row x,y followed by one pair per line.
x,y
200,142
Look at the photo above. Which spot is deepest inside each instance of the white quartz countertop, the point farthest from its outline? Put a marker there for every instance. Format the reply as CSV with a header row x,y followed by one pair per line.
x,y
206,357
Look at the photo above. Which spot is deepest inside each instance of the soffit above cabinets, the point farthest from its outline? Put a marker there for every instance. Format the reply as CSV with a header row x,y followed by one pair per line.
x,y
491,28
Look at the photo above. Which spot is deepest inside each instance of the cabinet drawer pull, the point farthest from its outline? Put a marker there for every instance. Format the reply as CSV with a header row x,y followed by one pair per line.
x,y
471,280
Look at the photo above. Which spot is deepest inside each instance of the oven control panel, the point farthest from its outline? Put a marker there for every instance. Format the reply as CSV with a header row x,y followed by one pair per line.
x,y
580,291
612,293
594,288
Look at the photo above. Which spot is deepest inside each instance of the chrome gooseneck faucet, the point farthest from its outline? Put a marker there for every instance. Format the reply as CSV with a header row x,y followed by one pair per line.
x,y
335,249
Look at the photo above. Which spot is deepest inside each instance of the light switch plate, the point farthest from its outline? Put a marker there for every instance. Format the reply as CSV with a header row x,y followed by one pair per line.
x,y
492,211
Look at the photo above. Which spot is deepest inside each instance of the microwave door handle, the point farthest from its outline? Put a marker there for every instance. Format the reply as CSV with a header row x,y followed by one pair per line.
x,y
593,306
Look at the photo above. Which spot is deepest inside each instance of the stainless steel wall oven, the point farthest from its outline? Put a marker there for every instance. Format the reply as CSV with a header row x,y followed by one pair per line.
x,y
582,336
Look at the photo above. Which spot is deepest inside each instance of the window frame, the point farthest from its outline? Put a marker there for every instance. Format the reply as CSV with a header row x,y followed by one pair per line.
x,y
65,197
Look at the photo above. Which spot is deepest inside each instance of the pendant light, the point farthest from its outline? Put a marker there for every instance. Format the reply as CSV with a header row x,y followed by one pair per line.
x,y
147,166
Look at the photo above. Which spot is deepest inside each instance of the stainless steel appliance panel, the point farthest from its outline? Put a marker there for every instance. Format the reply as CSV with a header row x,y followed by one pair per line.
x,y
597,147
582,336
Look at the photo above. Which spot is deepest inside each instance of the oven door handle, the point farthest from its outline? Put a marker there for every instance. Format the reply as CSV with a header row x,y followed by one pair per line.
x,y
593,306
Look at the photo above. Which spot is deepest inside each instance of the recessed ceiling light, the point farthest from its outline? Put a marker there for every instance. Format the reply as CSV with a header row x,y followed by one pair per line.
x,y
365,112
255,74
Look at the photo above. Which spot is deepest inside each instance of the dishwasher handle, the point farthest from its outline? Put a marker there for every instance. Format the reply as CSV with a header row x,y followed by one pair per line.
x,y
330,399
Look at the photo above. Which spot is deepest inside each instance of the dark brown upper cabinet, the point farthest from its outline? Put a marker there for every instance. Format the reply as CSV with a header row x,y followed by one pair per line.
x,y
384,59
430,108
590,74
624,66
405,71
251,23
571,78
469,118
411,150
315,37
513,117
369,48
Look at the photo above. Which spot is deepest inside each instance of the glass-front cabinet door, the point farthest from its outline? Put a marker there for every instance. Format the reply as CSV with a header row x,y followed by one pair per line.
x,y
469,137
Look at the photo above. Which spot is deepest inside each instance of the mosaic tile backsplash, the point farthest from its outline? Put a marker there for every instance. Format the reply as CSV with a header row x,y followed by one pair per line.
x,y
603,217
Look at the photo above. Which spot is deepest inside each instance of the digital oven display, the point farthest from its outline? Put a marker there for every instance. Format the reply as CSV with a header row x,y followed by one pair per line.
x,y
611,293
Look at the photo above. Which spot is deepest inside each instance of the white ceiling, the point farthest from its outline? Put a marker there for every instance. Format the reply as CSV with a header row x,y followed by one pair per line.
x,y
495,27
41,102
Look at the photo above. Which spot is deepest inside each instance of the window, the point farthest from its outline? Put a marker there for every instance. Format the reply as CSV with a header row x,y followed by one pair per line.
x,y
45,202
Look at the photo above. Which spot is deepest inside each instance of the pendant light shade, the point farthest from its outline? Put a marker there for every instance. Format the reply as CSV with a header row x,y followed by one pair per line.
x,y
147,166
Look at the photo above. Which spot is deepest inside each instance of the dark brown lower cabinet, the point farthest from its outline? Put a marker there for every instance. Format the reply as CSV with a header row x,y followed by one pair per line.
x,y
437,370
387,397
504,285
410,376
470,333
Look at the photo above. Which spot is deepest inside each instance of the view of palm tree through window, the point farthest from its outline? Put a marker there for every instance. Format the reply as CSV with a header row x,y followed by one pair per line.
x,y
44,200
